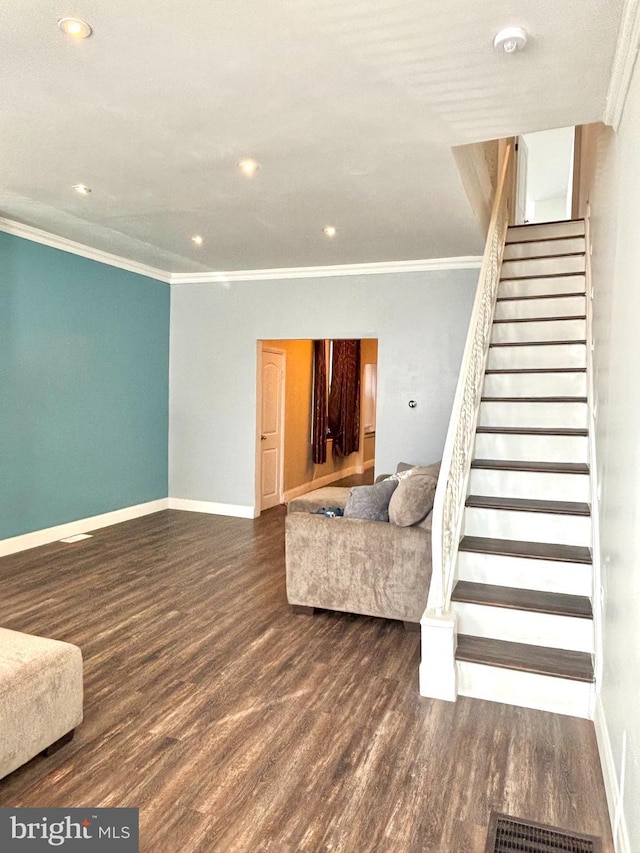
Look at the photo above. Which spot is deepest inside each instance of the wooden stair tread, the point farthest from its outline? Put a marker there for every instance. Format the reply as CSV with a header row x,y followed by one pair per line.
x,y
539,319
540,224
581,293
537,343
533,399
531,600
541,660
543,239
538,467
527,550
545,275
529,505
537,370
545,257
504,430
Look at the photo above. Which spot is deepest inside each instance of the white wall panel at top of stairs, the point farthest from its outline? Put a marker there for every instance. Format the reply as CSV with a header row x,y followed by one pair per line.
x,y
525,626
530,249
530,330
521,573
535,385
519,309
532,448
524,689
545,230
526,357
532,485
542,286
543,266
543,527
569,415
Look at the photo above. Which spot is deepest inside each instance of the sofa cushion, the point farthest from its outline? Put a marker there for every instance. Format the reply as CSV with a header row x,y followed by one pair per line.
x,y
413,499
370,502
433,469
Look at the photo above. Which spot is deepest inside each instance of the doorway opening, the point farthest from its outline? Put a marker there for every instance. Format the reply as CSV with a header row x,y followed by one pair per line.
x,y
284,462
546,175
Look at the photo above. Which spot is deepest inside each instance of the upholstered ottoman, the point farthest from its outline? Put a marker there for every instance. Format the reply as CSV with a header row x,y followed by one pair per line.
x,y
40,696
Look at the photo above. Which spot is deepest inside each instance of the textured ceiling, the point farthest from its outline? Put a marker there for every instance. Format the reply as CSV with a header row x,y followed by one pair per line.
x,y
350,107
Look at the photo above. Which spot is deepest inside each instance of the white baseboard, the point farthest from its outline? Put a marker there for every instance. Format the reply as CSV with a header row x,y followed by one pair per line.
x,y
213,508
298,491
611,784
82,525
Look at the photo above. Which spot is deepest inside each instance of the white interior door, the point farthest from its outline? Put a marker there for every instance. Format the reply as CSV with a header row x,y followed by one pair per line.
x,y
521,189
271,427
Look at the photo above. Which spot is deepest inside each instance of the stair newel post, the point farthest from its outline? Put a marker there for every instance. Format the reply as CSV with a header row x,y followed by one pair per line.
x,y
438,624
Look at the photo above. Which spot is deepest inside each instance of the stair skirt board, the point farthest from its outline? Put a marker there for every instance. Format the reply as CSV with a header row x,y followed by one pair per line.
x,y
541,286
569,384
522,573
543,448
526,689
527,526
544,248
527,484
525,626
522,331
546,230
565,355
533,414
560,306
544,266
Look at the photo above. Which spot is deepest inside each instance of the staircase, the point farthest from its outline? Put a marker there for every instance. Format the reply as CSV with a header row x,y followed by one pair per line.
x,y
522,598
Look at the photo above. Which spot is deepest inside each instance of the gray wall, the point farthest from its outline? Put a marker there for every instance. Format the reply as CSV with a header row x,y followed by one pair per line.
x,y
420,320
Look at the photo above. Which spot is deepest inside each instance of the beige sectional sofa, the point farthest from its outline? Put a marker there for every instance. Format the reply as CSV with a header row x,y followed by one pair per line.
x,y
376,568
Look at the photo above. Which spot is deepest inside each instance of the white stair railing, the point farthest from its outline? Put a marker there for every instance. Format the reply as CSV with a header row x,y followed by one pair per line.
x,y
437,674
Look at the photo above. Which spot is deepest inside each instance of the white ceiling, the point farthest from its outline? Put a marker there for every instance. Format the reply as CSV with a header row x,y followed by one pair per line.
x,y
350,106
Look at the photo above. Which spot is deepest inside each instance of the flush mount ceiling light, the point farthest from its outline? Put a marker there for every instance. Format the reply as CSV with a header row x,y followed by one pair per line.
x,y
75,28
82,189
197,239
510,40
248,167
330,231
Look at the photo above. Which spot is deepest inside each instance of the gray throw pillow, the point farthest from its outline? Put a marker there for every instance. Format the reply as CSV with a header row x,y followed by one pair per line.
x,y
413,499
434,468
370,502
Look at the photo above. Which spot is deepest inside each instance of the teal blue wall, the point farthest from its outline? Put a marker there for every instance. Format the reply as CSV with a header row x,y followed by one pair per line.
x,y
84,364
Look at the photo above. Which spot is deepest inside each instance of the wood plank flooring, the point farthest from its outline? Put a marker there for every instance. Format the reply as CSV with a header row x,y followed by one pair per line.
x,y
237,727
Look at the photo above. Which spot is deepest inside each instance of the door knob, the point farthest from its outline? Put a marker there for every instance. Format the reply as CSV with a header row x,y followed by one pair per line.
x,y
263,438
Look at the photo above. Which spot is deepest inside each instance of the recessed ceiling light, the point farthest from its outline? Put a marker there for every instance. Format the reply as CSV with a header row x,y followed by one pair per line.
x,y
510,40
82,189
330,231
248,167
75,28
197,239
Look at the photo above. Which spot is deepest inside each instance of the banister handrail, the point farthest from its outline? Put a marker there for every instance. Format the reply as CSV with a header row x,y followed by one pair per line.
x,y
451,491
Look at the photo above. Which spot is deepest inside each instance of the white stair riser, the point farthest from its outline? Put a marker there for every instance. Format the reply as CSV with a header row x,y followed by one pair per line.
x,y
523,626
523,573
538,485
564,306
548,330
523,414
542,286
525,689
543,266
547,355
532,448
545,230
535,385
527,526
542,248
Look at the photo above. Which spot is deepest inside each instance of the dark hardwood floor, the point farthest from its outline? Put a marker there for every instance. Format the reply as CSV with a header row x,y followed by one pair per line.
x,y
236,726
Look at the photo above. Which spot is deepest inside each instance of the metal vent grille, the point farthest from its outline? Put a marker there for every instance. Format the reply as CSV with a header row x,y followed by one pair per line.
x,y
510,835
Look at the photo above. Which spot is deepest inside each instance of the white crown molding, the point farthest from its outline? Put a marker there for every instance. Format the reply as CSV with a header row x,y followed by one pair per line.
x,y
430,265
623,62
36,235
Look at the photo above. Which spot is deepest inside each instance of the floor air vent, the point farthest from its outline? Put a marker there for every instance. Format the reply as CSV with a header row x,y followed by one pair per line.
x,y
510,835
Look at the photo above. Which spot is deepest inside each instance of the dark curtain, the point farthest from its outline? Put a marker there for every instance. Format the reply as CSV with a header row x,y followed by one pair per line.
x,y
344,397
319,403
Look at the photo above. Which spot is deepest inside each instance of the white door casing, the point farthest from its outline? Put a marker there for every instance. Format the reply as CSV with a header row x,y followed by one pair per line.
x,y
271,426
521,187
